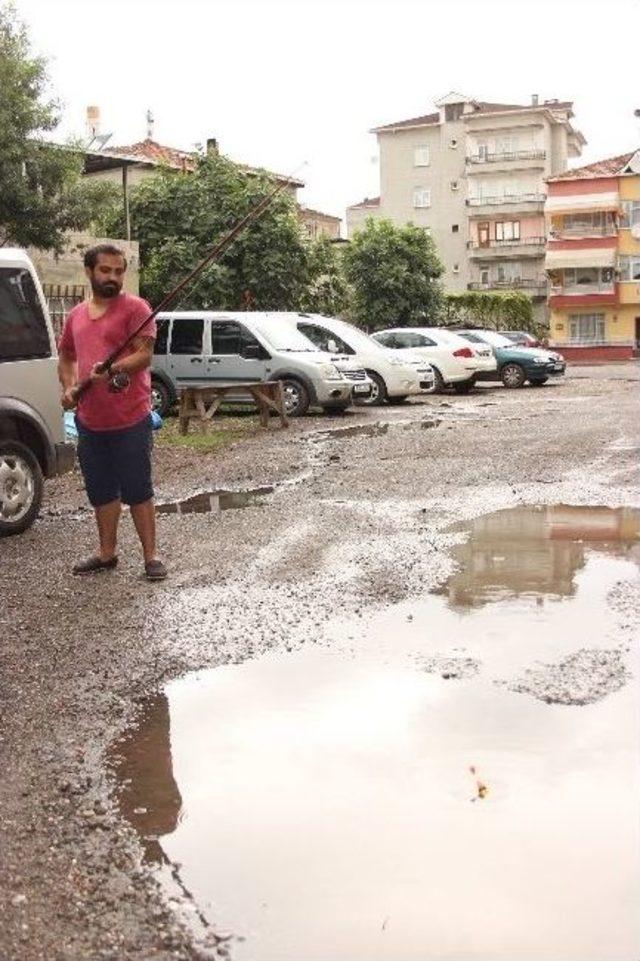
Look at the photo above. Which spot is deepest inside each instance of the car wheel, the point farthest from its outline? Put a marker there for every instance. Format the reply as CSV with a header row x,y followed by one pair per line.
x,y
161,399
512,375
20,487
539,381
378,393
438,382
396,401
464,386
296,397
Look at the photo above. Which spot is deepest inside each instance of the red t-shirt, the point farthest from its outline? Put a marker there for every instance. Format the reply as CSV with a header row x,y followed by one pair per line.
x,y
89,342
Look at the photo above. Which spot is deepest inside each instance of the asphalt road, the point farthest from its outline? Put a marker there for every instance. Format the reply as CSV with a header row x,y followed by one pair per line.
x,y
357,521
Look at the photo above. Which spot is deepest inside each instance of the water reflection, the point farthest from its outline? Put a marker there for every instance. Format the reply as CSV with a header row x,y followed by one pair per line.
x,y
149,797
536,550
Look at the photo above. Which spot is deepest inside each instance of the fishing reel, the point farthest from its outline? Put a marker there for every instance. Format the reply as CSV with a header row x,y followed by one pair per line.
x,y
118,381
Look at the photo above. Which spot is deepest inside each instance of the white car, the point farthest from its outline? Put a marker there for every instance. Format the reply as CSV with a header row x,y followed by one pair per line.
x,y
394,378
456,363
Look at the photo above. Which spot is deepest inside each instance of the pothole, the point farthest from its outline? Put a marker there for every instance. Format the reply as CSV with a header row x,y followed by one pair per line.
x,y
205,502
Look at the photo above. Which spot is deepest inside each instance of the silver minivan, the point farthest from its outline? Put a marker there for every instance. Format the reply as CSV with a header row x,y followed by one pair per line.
x,y
198,348
32,435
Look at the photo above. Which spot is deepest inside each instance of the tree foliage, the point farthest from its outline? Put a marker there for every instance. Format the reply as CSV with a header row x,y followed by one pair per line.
x,y
327,291
178,217
494,310
394,273
42,194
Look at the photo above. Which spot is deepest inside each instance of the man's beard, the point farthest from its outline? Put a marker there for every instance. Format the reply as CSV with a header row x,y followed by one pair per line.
x,y
106,289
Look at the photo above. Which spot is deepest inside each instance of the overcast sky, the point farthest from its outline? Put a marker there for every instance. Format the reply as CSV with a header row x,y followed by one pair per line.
x,y
279,82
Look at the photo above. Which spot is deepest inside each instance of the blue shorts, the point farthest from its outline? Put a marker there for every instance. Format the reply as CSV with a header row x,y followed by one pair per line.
x,y
116,464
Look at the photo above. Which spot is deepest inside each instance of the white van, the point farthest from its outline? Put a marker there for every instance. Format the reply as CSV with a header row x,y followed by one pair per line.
x,y
32,436
394,378
196,348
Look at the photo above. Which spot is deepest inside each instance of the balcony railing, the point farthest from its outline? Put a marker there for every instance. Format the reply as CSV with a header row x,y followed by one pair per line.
x,y
497,244
505,199
487,158
532,284
571,289
558,233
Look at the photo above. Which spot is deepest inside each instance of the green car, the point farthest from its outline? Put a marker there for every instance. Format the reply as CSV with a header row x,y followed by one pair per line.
x,y
516,364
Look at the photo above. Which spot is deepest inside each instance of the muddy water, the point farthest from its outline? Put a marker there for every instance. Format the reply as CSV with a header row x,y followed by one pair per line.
x,y
205,502
388,796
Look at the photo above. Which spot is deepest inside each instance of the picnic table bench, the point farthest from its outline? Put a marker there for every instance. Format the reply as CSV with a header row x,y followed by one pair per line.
x,y
201,403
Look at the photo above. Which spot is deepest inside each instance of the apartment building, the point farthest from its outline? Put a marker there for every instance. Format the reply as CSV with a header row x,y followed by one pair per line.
x,y
593,259
473,174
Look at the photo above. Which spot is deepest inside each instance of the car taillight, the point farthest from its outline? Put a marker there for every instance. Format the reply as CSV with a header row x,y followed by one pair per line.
x,y
463,352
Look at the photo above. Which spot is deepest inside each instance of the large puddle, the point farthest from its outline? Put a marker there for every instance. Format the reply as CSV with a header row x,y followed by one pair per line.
x,y
401,793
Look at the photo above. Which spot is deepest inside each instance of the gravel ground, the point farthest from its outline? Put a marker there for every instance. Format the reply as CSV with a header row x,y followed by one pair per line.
x,y
358,520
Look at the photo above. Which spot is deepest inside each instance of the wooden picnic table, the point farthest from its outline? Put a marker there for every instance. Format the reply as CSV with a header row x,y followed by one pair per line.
x,y
201,403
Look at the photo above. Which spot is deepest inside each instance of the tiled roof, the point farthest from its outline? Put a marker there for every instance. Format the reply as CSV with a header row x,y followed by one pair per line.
x,y
601,168
367,202
413,122
482,107
156,154
317,213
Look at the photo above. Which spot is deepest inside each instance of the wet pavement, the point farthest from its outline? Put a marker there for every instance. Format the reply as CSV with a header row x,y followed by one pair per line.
x,y
388,707
401,783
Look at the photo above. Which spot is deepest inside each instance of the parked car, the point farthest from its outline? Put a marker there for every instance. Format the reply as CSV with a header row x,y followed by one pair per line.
x,y
455,362
394,378
521,338
196,348
516,365
32,435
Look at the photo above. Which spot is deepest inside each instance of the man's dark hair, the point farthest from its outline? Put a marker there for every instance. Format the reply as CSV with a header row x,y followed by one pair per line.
x,y
91,254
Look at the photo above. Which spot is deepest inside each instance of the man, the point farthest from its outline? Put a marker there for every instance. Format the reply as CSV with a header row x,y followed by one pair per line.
x,y
114,427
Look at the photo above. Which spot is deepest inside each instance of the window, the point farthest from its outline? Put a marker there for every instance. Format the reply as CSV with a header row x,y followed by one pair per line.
x,y
160,345
506,144
629,268
409,339
421,197
630,213
231,338
421,156
507,230
453,111
588,276
23,328
484,278
508,272
325,339
455,228
186,335
483,151
586,328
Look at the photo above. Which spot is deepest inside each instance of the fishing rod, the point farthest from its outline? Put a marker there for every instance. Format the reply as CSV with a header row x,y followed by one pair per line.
x,y
105,366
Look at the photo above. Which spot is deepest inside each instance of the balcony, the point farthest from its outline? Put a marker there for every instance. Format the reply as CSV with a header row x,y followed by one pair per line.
x,y
584,295
501,249
570,289
507,204
584,232
507,157
536,286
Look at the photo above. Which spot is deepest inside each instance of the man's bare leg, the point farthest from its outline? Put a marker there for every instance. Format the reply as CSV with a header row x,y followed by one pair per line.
x,y
144,518
107,517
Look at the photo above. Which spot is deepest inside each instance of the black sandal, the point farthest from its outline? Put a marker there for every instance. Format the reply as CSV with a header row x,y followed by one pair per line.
x,y
94,564
155,570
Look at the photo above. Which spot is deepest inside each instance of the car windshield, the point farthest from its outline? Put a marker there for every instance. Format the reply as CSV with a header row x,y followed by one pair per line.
x,y
284,336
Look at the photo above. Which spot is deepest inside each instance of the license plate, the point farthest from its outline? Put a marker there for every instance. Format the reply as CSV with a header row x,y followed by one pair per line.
x,y
362,389
558,366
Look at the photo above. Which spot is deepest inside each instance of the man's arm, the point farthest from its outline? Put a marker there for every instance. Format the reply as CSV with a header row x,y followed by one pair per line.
x,y
67,375
140,359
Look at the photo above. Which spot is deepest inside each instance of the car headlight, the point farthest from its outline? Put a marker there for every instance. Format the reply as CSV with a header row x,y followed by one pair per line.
x,y
540,360
330,371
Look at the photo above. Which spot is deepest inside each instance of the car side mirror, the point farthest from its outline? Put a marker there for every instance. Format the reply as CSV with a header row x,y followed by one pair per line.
x,y
252,352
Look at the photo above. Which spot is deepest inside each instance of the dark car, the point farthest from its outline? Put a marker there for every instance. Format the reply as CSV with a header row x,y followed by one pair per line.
x,y
516,365
521,338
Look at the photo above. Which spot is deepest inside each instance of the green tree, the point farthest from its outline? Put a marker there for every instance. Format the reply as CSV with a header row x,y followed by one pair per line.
x,y
178,217
327,291
494,310
42,194
394,273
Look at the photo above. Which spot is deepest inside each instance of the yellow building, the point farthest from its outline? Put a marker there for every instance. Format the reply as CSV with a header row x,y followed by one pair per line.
x,y
593,259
